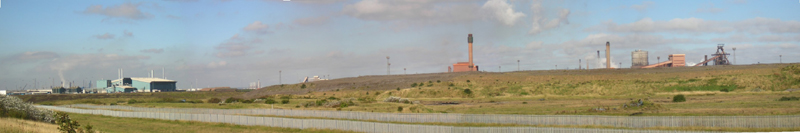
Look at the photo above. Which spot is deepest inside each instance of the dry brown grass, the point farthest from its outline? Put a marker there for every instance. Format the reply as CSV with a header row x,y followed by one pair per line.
x,y
12,125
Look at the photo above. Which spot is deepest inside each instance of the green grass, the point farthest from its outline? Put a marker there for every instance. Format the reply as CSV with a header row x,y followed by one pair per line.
x,y
109,124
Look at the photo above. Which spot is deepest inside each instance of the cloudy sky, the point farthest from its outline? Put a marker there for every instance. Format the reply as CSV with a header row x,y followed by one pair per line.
x,y
236,42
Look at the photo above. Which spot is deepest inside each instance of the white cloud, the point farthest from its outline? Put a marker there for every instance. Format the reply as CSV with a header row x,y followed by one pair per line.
x,y
696,25
127,10
642,7
541,24
105,36
31,56
502,11
237,46
257,27
413,12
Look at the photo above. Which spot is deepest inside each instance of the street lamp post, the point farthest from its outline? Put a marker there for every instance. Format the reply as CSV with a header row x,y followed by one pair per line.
x,y
500,68
780,58
517,65
387,65
279,77
734,55
658,59
404,71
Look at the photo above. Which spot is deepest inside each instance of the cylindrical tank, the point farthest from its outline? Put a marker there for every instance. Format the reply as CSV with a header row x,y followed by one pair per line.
x,y
639,58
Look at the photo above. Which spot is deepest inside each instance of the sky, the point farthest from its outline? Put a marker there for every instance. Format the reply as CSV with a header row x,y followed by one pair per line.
x,y
210,43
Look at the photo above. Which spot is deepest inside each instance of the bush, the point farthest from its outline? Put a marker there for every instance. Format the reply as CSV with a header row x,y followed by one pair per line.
x,y
414,85
247,101
467,81
725,90
438,81
793,98
303,86
400,108
333,98
232,100
16,108
132,101
679,98
284,101
524,102
270,101
214,100
66,125
467,91
398,88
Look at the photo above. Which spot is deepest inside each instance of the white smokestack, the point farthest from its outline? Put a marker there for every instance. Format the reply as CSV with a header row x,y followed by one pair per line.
x,y
151,74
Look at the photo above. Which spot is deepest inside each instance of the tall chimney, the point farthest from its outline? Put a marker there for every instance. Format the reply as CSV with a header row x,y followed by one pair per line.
x,y
608,55
471,64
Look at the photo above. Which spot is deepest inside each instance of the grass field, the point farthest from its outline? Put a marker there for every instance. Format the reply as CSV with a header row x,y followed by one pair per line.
x,y
711,90
108,124
13,125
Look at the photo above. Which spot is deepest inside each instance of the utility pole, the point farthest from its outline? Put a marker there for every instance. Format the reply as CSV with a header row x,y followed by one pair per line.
x,y
658,58
404,71
279,77
499,68
620,65
734,55
579,64
517,65
780,58
556,67
387,65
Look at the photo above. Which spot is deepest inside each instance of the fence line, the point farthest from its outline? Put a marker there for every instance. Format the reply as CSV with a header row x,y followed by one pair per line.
x,y
359,126
782,121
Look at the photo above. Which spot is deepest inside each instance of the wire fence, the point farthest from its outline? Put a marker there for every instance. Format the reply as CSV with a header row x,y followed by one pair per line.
x,y
358,126
782,121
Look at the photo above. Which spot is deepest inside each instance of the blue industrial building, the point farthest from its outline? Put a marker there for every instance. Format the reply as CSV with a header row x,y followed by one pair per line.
x,y
127,85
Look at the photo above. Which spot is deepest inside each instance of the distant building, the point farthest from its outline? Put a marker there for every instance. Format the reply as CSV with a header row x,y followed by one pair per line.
x,y
128,85
3,92
70,90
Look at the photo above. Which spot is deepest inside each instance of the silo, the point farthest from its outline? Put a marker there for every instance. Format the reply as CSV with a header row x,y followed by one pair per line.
x,y
639,58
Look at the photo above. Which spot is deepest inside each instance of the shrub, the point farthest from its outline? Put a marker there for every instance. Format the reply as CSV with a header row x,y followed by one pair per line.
x,y
793,98
214,100
398,88
286,97
524,102
284,101
247,101
679,98
232,100
303,86
467,91
270,101
132,101
451,85
467,81
333,98
414,85
421,84
66,125
438,81
400,108
16,108
523,93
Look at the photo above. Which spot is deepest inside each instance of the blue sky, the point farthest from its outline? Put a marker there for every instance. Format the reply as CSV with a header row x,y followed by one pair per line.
x,y
236,42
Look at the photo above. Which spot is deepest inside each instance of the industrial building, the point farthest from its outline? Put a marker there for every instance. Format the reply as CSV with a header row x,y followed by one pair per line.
x,y
136,84
127,85
675,60
639,58
465,66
